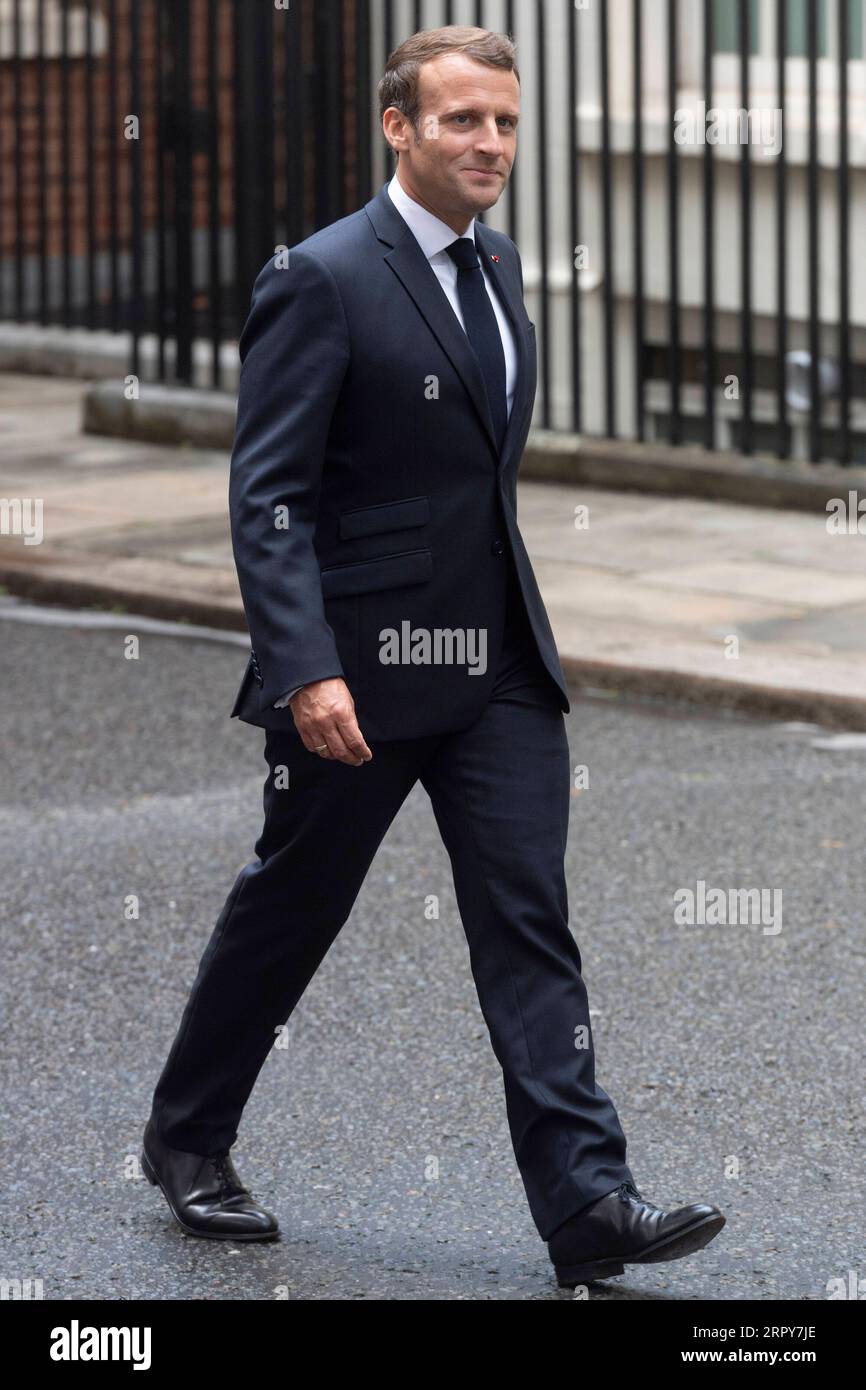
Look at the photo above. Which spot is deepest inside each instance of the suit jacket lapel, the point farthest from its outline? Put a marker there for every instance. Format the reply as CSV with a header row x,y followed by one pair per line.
x,y
412,268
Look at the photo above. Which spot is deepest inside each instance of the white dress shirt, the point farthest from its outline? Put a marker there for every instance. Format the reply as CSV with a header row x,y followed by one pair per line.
x,y
433,236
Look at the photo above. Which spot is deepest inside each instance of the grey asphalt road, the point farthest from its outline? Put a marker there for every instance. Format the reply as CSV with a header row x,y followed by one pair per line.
x,y
378,1136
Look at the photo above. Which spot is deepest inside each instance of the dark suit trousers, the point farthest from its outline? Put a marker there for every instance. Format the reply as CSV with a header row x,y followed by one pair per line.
x,y
500,794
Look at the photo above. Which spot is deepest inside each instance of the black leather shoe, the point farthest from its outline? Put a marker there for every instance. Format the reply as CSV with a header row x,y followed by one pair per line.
x,y
624,1228
205,1194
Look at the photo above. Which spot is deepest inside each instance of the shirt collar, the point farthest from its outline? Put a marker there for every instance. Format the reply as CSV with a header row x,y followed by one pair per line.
x,y
431,233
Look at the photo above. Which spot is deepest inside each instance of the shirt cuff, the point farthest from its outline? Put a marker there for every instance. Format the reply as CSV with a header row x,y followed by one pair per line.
x,y
282,703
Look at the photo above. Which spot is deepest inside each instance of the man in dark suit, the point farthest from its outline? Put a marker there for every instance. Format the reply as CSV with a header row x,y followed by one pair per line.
x,y
398,634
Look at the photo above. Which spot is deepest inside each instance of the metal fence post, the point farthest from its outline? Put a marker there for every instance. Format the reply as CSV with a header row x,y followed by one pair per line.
x,y
254,144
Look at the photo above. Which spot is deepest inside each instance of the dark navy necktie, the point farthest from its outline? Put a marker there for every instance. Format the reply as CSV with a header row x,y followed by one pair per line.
x,y
482,329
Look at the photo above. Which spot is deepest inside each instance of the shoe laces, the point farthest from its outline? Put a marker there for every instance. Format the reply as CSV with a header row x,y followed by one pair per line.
x,y
627,1192
220,1163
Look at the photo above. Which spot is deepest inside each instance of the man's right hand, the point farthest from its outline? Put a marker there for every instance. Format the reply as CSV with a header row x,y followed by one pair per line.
x,y
324,714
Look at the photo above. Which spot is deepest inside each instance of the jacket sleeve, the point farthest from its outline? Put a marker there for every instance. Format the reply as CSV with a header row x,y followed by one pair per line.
x,y
294,351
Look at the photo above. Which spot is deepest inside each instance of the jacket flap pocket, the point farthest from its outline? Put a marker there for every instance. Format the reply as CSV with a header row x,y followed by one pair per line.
x,y
388,516
385,572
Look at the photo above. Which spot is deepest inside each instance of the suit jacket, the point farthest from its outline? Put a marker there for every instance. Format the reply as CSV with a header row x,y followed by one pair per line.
x,y
366,490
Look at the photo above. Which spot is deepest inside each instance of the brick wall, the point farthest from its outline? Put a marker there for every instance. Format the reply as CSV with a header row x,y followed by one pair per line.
x,y
65,141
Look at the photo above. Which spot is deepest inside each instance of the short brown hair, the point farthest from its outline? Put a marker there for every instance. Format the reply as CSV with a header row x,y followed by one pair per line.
x,y
399,85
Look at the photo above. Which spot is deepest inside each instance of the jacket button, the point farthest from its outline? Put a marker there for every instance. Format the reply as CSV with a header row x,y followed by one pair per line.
x,y
497,548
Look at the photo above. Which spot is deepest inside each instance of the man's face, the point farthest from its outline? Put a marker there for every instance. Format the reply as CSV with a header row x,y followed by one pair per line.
x,y
459,162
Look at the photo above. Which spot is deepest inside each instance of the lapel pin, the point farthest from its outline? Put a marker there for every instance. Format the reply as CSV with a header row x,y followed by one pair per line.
x,y
495,258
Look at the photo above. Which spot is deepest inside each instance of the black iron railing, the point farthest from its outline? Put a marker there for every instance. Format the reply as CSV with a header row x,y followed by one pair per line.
x,y
154,152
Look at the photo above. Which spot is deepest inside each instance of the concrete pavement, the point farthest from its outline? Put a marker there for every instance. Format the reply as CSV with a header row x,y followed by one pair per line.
x,y
716,602
378,1135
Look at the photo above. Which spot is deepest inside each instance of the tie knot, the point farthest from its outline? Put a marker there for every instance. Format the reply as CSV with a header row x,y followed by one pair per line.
x,y
464,253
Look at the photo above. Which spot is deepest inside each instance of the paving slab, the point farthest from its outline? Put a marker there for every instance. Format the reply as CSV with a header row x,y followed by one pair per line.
x,y
712,601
